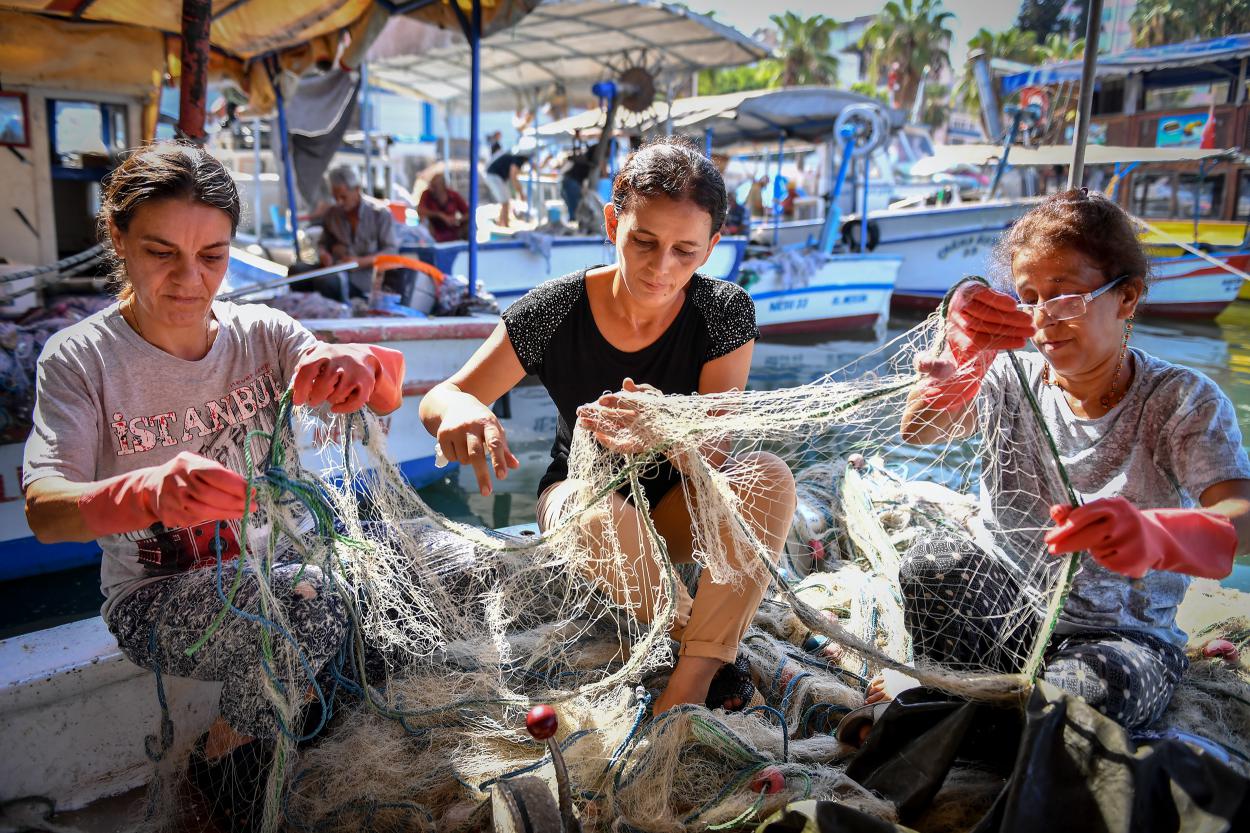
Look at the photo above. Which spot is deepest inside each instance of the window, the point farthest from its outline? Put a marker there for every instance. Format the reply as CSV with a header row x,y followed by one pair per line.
x,y
86,128
1152,195
1209,191
1194,95
1242,209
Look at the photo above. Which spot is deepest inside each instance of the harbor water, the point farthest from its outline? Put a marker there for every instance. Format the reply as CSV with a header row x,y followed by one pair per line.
x,y
1220,349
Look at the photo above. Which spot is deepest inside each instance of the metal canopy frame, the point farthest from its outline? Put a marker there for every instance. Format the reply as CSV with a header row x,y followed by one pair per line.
x,y
429,75
563,41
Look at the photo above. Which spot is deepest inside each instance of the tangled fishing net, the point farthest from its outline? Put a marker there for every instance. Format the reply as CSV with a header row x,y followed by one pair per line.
x,y
456,631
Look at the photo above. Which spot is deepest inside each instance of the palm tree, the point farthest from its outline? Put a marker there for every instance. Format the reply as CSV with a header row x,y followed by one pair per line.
x,y
803,49
1059,48
1157,22
913,35
1011,45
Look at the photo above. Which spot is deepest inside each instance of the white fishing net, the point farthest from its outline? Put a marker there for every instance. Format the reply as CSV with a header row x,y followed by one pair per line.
x,y
457,630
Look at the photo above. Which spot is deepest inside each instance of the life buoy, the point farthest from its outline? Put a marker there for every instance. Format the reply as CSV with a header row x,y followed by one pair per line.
x,y
850,235
1038,96
382,263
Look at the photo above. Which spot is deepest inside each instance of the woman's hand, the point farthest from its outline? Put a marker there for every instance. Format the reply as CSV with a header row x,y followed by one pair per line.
x,y
612,418
469,434
187,490
1132,541
979,323
350,376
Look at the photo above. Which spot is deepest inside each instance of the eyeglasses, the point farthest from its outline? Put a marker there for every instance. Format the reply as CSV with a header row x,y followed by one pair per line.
x,y
1067,307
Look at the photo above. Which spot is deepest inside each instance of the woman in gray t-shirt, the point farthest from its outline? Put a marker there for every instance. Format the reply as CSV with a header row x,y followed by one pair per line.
x,y
142,417
1151,449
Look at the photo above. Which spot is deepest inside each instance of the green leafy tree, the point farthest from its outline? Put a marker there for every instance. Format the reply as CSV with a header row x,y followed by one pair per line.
x,y
936,110
1010,45
1158,22
1041,17
804,49
802,57
761,75
1061,48
913,34
871,90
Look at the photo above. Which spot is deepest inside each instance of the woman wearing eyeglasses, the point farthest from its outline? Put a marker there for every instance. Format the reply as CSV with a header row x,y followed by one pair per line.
x,y
1153,452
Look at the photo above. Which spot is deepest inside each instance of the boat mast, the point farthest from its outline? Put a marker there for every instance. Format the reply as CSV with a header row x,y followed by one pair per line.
x,y
1093,26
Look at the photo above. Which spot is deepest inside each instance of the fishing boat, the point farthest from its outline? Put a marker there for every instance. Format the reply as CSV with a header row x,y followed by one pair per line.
x,y
941,244
514,267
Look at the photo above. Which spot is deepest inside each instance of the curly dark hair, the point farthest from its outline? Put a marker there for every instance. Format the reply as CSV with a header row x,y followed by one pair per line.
x,y
162,171
674,167
1083,221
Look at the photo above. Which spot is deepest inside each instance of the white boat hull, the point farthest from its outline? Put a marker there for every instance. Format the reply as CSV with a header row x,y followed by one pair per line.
x,y
848,292
508,269
939,245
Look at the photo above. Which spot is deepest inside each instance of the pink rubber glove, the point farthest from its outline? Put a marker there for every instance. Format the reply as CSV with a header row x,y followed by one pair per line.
x,y
1131,541
186,491
350,376
979,323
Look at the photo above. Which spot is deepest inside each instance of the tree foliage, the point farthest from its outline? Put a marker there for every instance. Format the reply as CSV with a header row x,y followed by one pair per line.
x,y
1158,22
913,34
803,56
1041,17
804,49
762,75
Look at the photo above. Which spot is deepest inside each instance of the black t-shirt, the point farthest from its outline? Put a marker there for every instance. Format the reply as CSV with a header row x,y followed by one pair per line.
x,y
556,338
580,164
501,166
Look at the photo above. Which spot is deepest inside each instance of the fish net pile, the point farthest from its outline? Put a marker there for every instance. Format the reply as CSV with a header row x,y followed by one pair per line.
x,y
457,630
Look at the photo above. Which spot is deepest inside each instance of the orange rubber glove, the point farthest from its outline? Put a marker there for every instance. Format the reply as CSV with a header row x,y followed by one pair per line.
x,y
350,376
1132,541
979,323
186,491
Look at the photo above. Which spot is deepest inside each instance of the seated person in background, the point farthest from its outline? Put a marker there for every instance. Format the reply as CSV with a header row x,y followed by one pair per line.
x,y
787,202
355,228
737,218
503,178
444,210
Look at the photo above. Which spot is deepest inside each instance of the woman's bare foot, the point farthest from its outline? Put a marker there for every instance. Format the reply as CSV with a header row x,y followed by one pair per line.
x,y
688,683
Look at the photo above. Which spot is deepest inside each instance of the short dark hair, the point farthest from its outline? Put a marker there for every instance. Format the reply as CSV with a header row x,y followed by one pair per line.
x,y
168,170
673,167
1084,221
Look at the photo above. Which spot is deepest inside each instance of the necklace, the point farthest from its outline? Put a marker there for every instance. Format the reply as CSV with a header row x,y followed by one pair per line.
x,y
1112,397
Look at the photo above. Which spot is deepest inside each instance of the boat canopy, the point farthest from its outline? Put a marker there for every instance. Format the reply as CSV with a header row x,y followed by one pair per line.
x,y
1185,61
569,42
805,113
948,156
128,47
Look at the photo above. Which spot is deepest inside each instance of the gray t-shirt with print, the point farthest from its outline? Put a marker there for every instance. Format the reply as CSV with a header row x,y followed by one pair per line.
x,y
109,402
1172,436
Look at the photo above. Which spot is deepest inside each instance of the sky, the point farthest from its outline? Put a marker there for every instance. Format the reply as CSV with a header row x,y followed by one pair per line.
x,y
970,15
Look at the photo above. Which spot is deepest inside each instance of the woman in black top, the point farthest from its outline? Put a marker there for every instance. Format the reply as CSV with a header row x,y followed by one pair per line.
x,y
647,320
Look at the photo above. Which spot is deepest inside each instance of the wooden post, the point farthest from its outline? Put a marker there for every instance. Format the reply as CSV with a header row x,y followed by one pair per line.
x,y
196,20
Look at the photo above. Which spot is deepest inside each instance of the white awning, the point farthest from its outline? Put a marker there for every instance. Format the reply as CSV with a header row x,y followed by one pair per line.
x,y
798,113
572,42
948,156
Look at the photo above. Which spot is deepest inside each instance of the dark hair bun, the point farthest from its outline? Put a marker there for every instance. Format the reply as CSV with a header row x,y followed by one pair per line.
x,y
673,167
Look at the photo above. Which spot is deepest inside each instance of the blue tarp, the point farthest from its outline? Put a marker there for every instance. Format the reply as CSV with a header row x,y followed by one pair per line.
x,y
1192,53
